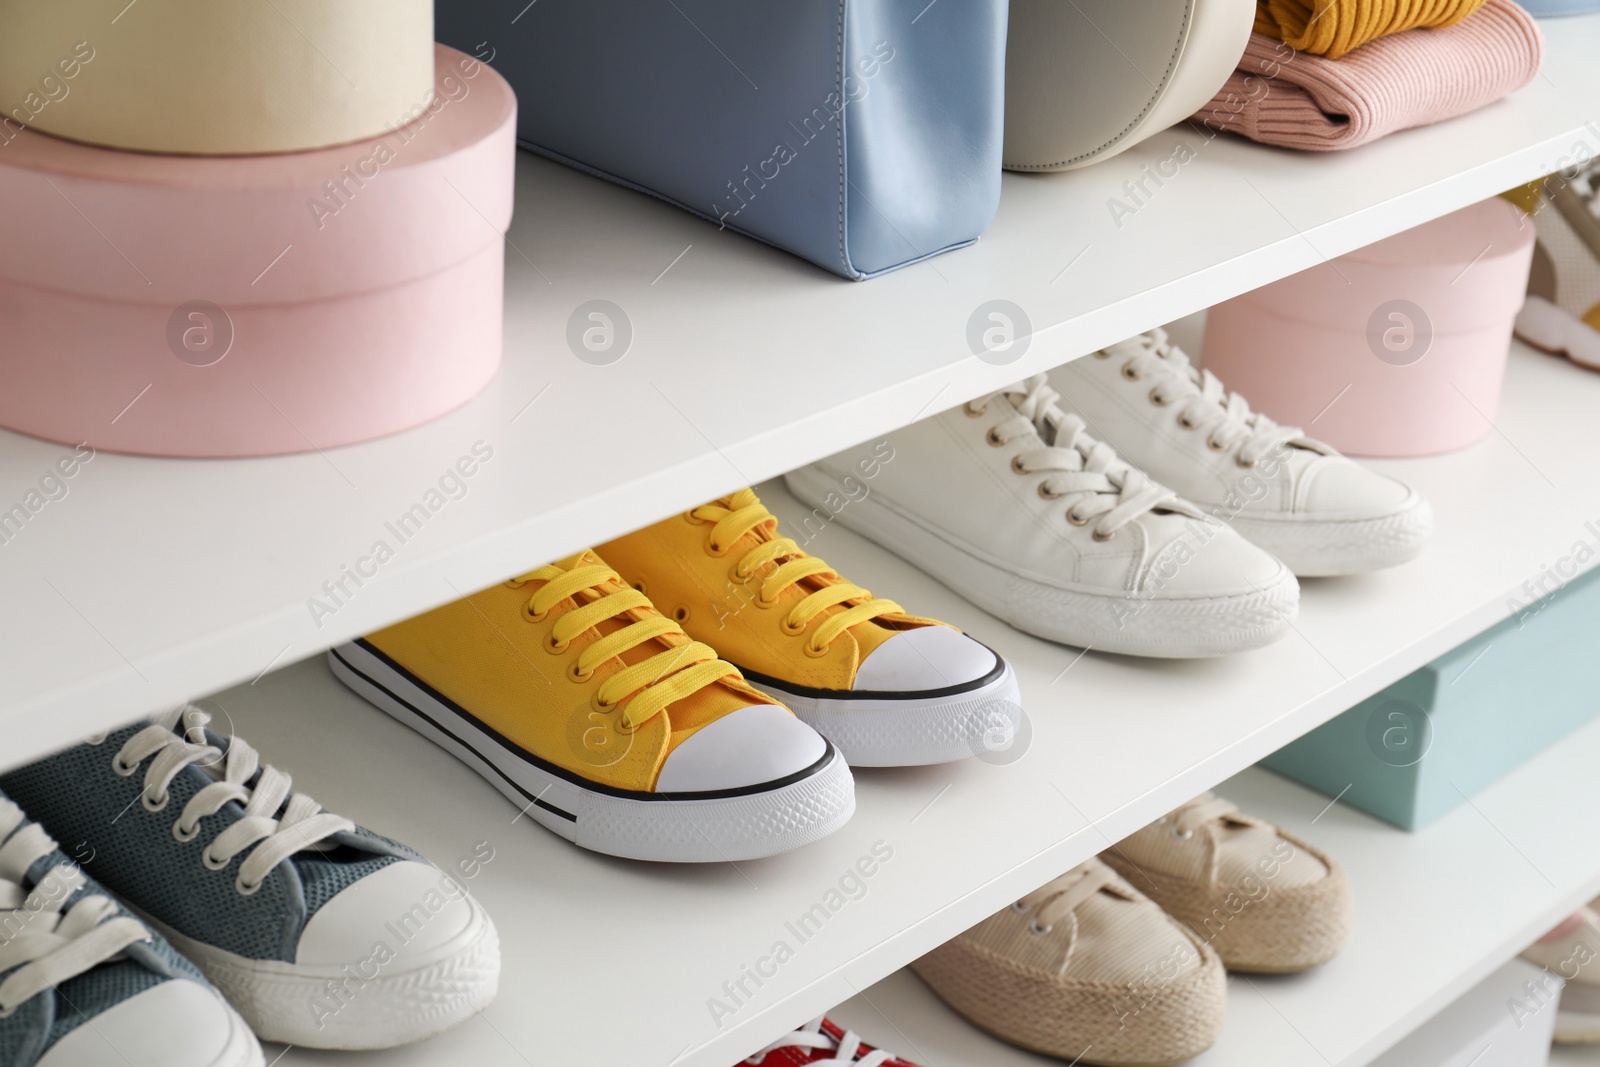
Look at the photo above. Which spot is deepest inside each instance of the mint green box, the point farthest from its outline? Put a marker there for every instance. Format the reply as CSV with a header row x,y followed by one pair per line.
x,y
1417,749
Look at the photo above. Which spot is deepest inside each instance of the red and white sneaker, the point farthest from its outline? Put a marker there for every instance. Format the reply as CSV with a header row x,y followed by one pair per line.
x,y
823,1043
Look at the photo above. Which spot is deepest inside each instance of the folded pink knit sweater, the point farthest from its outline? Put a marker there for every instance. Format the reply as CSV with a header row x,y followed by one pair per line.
x,y
1282,97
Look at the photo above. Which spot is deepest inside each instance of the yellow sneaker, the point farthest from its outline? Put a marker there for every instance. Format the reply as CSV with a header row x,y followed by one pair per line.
x,y
603,721
890,689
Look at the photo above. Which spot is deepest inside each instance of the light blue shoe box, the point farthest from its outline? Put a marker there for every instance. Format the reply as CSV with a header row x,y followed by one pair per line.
x,y
1418,748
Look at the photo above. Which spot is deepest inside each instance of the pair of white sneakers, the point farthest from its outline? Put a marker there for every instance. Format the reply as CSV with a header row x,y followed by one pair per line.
x,y
1049,506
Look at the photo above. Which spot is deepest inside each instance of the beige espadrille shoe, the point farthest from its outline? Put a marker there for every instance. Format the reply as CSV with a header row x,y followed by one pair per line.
x,y
1267,902
1085,969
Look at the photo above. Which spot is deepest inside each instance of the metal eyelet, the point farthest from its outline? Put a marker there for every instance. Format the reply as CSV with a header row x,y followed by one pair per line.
x,y
972,410
211,862
692,519
1039,931
599,704
120,769
151,804
531,615
245,889
1184,422
791,630
1102,354
1017,467
1019,907
1046,493
994,439
1104,537
96,740
1241,462
574,674
1076,519
639,587
179,834
1130,372
1157,399
554,647
712,549
681,614
1211,443
1181,836
763,603
814,652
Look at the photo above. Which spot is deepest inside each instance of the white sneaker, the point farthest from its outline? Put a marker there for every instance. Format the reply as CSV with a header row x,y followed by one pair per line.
x,y
1011,503
1316,510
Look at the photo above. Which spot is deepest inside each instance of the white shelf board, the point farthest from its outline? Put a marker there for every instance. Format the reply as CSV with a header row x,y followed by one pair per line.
x,y
157,580
1436,913
1115,743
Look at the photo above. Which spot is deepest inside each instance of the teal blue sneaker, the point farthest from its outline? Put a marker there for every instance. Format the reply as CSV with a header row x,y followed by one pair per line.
x,y
322,934
84,983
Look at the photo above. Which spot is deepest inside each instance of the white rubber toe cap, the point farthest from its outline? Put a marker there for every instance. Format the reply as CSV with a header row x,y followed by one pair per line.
x,y
178,1023
754,745
413,908
1225,565
1342,488
931,657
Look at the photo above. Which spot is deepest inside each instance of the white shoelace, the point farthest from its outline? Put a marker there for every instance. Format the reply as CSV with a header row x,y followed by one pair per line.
x,y
1205,405
1060,897
45,944
1086,473
811,1035
304,823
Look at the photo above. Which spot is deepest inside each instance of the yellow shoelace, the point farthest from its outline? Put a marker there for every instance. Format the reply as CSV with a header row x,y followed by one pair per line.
x,y
791,565
654,682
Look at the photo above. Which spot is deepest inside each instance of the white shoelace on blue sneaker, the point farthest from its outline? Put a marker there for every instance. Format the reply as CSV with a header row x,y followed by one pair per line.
x,y
813,1036
45,944
304,824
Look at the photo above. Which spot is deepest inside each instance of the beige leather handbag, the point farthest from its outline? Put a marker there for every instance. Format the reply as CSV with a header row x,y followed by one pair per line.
x,y
1086,79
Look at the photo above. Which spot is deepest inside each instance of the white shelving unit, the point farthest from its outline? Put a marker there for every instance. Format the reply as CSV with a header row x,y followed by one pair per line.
x,y
1115,743
157,580
154,581
1436,912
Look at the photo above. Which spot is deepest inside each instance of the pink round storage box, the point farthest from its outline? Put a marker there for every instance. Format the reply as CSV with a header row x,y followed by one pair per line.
x,y
1397,349
238,306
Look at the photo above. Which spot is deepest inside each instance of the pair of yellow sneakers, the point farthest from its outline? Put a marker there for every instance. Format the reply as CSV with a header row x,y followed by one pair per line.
x,y
594,694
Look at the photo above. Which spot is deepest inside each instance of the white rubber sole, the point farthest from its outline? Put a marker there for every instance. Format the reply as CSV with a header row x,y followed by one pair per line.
x,y
1159,627
722,826
363,1005
908,731
1328,548
243,1048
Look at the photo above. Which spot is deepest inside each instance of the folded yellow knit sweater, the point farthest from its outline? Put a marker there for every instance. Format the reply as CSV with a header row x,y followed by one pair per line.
x,y
1334,27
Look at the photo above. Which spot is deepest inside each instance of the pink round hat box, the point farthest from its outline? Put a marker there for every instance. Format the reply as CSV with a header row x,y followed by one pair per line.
x,y
1396,349
252,305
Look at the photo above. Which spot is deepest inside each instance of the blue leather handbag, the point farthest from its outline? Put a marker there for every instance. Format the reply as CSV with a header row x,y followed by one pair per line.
x,y
862,135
